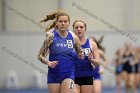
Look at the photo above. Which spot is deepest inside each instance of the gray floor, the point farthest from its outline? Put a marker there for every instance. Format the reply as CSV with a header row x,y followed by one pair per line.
x,y
104,90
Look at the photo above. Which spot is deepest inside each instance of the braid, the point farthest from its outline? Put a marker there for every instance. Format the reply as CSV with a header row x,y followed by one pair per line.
x,y
50,26
49,17
54,16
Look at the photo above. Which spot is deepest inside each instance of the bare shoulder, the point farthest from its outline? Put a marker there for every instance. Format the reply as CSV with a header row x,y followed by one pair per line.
x,y
72,33
49,34
75,38
92,44
101,52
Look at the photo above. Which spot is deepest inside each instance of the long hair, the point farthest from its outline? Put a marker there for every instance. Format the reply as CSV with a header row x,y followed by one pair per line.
x,y
54,16
98,42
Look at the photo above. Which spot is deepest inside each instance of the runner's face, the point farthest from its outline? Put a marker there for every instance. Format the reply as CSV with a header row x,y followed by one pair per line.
x,y
62,23
79,29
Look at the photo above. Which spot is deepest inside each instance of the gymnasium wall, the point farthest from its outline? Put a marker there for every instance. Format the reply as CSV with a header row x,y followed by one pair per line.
x,y
124,14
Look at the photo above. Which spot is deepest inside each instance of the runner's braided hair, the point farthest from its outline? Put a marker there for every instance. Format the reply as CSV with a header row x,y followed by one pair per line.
x,y
54,16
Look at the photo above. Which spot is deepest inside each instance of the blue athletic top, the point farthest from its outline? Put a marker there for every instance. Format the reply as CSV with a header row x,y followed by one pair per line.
x,y
61,50
83,67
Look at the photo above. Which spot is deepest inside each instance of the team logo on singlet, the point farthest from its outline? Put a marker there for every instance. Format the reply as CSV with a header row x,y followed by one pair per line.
x,y
69,43
87,51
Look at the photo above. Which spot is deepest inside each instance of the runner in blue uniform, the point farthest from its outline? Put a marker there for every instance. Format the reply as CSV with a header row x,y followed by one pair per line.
x,y
97,71
84,68
59,44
